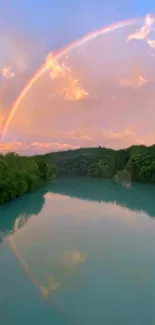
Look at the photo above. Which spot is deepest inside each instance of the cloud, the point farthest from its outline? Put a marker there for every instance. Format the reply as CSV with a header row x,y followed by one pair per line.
x,y
82,137
118,135
35,147
16,56
56,69
144,31
93,137
73,91
18,61
52,145
99,134
135,82
7,72
134,76
41,145
10,146
70,89
151,43
103,118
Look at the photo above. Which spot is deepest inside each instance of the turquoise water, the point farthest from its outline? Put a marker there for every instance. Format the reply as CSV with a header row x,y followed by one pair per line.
x,y
79,251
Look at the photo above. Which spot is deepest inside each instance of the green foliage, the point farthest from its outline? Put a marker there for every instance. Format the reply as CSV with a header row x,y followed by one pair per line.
x,y
136,163
102,168
142,167
21,174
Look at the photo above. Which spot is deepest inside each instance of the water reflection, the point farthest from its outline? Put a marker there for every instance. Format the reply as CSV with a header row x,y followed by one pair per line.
x,y
21,210
136,197
79,236
72,258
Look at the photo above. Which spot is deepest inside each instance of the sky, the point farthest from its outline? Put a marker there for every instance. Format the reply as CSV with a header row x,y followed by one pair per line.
x,y
101,93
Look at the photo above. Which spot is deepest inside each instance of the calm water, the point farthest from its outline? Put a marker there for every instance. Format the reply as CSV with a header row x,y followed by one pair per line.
x,y
79,251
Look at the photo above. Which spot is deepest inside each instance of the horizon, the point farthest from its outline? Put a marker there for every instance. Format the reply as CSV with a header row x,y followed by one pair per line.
x,y
72,150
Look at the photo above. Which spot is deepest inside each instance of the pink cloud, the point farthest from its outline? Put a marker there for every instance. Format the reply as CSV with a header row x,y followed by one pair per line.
x,y
118,112
137,81
10,146
34,147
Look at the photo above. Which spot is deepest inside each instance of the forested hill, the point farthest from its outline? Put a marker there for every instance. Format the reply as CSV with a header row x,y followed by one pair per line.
x,y
136,162
21,174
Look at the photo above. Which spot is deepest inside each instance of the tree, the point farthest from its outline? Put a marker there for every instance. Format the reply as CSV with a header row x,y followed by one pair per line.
x,y
21,174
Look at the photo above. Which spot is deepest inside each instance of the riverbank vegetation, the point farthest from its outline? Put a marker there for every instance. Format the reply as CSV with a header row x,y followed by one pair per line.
x,y
136,163
19,175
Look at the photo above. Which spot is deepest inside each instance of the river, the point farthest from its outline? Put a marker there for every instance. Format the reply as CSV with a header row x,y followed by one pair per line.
x,y
79,251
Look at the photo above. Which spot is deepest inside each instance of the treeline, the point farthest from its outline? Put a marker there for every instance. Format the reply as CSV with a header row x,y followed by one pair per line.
x,y
136,163
19,175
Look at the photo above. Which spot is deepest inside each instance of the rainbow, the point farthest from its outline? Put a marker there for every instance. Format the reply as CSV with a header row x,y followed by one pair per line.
x,y
43,290
45,67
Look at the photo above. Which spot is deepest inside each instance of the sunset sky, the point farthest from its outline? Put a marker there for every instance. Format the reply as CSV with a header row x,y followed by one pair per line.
x,y
99,93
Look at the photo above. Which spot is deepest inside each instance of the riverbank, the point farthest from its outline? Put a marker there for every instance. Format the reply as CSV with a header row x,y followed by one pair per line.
x,y
136,163
19,175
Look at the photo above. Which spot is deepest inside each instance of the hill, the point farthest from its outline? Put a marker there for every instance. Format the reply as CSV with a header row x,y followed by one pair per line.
x,y
135,163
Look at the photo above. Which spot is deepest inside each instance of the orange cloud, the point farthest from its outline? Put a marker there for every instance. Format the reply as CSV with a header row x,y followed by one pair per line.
x,y
73,91
71,88
56,69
